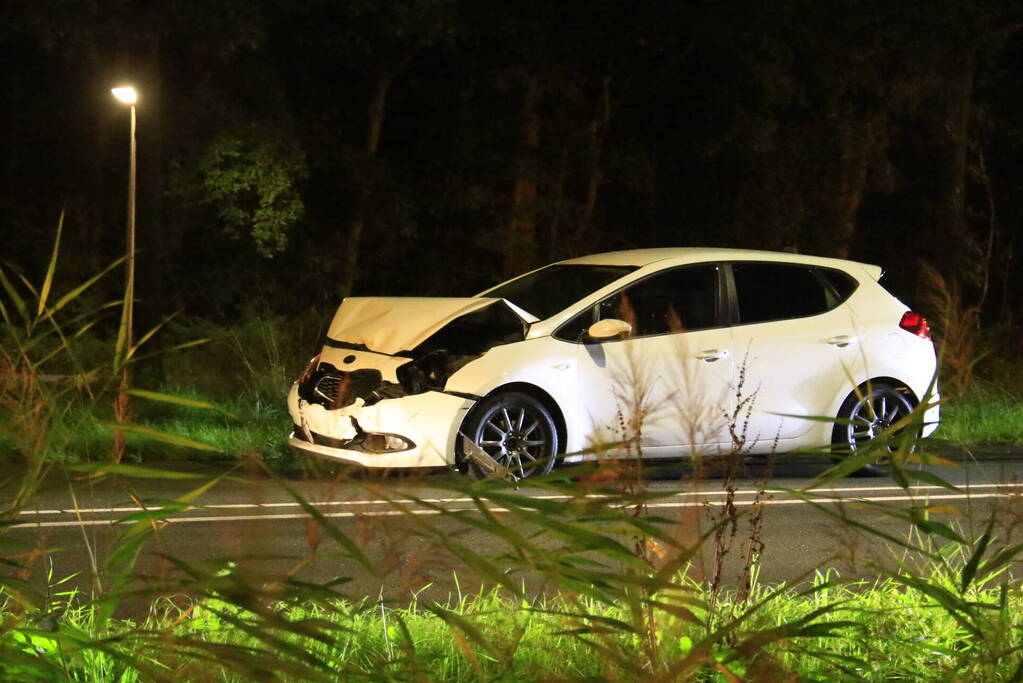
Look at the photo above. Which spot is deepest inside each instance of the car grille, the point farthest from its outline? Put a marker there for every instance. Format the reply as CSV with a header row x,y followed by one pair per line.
x,y
328,387
333,388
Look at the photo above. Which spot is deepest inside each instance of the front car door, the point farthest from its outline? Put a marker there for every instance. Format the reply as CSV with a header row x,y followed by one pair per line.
x,y
665,389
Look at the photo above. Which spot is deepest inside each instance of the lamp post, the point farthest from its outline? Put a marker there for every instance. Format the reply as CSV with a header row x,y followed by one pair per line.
x,y
129,96
122,405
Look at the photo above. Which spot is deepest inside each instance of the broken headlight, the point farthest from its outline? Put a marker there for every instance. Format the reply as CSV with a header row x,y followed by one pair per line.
x,y
367,442
309,368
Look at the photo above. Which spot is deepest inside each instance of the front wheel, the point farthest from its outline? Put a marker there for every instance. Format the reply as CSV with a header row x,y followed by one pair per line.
x,y
868,414
516,431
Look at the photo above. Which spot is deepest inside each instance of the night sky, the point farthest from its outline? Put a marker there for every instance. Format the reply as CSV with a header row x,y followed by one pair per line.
x,y
293,152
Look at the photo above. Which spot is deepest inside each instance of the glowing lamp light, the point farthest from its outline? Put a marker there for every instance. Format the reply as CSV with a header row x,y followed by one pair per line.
x,y
126,94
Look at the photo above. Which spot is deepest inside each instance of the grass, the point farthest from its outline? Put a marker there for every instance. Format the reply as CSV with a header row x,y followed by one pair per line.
x,y
250,425
888,633
254,422
984,417
951,611
621,605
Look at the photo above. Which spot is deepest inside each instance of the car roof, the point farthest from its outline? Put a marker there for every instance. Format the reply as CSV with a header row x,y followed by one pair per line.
x,y
645,257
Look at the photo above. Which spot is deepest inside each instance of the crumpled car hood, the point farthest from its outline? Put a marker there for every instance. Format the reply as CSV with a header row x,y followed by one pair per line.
x,y
391,325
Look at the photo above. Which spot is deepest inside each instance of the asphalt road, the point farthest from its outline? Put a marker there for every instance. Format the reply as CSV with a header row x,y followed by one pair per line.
x,y
255,522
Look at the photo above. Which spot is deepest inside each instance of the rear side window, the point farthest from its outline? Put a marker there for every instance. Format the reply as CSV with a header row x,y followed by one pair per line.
x,y
778,291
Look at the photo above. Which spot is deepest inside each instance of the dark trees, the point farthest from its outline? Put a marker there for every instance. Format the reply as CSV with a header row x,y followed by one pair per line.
x,y
433,146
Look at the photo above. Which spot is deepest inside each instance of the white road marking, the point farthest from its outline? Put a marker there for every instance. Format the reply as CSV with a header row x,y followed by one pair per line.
x,y
439,501
393,513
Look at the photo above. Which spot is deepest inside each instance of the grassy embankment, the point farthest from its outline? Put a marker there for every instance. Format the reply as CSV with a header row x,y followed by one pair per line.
x,y
626,606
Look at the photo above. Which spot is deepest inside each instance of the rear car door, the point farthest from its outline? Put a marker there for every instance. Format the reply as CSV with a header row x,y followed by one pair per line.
x,y
793,340
668,383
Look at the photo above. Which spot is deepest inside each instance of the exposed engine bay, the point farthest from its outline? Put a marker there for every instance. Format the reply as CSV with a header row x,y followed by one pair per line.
x,y
382,326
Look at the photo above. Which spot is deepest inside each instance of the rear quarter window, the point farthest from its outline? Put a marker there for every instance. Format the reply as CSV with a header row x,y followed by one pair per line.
x,y
841,282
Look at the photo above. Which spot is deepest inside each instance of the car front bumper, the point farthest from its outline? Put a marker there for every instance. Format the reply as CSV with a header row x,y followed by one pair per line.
x,y
428,422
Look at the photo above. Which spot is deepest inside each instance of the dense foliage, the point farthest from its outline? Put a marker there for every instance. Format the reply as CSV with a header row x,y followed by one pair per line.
x,y
299,151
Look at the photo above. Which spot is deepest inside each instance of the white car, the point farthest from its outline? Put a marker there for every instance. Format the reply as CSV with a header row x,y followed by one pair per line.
x,y
657,352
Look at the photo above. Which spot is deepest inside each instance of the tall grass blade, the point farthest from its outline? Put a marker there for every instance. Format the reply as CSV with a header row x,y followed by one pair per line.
x,y
840,516
128,544
176,347
26,591
44,292
176,400
465,627
156,435
137,471
149,335
1002,559
970,568
348,544
16,299
930,478
80,289
120,345
954,606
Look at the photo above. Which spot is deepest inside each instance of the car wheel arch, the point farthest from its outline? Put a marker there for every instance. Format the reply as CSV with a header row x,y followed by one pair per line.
x,y
536,392
893,382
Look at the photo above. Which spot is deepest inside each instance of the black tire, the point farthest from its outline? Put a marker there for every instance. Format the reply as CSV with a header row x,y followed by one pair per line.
x,y
869,412
514,429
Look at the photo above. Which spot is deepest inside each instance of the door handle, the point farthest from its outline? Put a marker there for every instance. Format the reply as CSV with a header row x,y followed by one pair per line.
x,y
711,355
841,341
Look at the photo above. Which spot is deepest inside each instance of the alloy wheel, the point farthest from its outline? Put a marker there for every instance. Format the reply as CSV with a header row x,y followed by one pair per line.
x,y
518,433
872,416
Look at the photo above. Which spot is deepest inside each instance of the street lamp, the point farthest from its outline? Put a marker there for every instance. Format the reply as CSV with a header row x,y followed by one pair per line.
x,y
122,405
128,95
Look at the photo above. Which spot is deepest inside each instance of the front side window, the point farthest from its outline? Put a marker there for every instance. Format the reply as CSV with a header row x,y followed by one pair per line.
x,y
778,291
680,300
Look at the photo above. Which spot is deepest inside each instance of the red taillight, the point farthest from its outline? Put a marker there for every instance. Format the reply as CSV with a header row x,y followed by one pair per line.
x,y
309,369
916,324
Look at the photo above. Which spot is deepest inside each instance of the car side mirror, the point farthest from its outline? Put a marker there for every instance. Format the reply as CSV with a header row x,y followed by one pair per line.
x,y
609,328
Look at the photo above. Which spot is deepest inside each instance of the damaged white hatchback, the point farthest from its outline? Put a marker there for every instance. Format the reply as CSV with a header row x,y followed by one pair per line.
x,y
658,352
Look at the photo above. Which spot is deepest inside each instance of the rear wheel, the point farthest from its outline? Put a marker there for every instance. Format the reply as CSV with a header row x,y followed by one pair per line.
x,y
514,430
868,414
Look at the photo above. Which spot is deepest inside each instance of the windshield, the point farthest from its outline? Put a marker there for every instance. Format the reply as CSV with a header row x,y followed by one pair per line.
x,y
554,288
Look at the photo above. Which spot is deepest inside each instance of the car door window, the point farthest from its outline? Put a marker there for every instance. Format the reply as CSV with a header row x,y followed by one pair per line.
x,y
680,300
778,291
